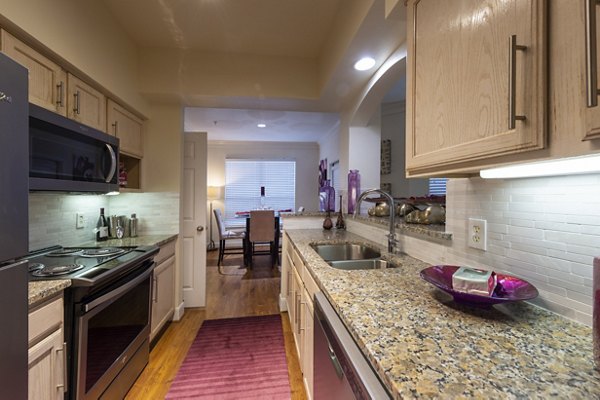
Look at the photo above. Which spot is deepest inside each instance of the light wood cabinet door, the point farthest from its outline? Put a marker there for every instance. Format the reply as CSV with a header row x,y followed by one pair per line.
x,y
47,368
308,344
460,84
85,104
47,80
127,127
163,296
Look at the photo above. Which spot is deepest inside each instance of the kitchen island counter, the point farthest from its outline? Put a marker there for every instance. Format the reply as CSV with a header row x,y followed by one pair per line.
x,y
423,344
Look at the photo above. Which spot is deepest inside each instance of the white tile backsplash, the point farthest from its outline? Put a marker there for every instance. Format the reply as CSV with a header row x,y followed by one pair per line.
x,y
52,216
545,230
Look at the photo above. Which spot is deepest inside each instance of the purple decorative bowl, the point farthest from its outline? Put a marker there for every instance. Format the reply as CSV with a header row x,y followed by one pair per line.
x,y
508,288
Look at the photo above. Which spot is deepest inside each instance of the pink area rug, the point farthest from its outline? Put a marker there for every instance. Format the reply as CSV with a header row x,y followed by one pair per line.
x,y
235,358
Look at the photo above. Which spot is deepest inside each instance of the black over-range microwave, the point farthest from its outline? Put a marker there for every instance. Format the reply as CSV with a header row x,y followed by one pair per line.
x,y
67,156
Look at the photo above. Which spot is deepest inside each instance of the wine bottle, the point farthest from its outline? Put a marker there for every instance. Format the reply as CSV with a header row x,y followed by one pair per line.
x,y
101,227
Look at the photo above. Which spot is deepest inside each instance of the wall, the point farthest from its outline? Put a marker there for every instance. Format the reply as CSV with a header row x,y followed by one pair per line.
x,y
365,151
163,147
85,35
544,230
393,127
52,216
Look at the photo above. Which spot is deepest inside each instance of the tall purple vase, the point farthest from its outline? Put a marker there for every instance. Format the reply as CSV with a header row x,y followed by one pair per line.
x,y
327,197
596,312
353,189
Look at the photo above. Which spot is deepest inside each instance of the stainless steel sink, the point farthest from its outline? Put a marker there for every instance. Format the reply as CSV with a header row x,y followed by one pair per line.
x,y
361,264
345,251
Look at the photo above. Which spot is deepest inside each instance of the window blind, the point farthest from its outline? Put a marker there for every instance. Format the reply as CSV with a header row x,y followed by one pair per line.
x,y
437,186
244,178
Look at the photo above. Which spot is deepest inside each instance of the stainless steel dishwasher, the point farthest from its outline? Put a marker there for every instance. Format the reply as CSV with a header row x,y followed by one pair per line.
x,y
340,369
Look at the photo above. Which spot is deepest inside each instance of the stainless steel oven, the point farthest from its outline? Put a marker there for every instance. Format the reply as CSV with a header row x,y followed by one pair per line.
x,y
111,330
107,314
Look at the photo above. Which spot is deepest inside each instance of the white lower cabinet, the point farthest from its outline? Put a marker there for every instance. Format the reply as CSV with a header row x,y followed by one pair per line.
x,y
46,356
163,290
299,291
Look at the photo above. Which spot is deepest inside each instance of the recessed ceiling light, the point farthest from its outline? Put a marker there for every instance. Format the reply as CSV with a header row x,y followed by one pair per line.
x,y
364,64
262,125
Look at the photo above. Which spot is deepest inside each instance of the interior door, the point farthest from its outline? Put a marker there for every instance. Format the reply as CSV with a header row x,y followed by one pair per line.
x,y
193,221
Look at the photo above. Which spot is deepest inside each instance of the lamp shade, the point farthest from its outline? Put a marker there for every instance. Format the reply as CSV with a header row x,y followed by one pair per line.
x,y
213,192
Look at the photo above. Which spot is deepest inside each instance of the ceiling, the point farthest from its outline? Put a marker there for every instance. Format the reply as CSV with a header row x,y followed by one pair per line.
x,y
326,36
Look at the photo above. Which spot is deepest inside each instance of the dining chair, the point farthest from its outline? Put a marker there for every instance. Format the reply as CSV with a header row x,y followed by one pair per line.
x,y
224,235
262,231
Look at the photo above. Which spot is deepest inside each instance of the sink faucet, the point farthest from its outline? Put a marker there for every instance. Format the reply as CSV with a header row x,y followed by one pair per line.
x,y
392,241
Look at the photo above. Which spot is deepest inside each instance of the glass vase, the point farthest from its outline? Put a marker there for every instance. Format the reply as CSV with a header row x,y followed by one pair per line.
x,y
327,197
353,189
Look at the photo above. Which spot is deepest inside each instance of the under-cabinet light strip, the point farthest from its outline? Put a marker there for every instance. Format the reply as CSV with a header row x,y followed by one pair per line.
x,y
564,166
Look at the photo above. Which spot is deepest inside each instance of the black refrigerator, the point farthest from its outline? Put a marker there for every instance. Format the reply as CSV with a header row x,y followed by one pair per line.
x,y
14,228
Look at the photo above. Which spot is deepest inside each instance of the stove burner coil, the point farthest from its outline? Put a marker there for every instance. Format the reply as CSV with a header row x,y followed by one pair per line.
x,y
57,270
102,252
35,266
63,252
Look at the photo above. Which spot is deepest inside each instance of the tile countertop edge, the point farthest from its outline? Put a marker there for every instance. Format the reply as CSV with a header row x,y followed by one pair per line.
x,y
39,291
421,343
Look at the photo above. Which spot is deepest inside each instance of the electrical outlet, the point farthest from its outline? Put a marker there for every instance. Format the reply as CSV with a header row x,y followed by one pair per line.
x,y
477,236
79,220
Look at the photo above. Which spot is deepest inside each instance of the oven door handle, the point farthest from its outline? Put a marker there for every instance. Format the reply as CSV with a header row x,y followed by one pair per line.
x,y
118,291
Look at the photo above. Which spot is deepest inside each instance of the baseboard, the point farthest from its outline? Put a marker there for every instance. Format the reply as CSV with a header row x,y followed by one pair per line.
x,y
179,310
282,303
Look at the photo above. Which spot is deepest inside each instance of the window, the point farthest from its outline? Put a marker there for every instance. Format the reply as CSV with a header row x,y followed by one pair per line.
x,y
437,186
244,178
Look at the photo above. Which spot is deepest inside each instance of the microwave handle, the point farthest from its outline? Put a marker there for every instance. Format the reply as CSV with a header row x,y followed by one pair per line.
x,y
113,165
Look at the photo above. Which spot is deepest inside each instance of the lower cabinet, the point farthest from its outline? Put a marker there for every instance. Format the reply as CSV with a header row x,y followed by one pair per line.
x,y
299,292
46,358
163,289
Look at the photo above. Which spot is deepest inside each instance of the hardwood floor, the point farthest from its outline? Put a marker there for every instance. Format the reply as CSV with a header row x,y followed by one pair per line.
x,y
232,291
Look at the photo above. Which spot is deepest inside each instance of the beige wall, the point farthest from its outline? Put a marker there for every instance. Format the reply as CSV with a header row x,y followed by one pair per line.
x,y
85,35
162,161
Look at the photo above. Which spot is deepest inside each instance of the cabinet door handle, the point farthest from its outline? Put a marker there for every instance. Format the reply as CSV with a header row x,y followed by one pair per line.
x,y
60,88
65,384
115,126
77,109
591,54
155,287
512,83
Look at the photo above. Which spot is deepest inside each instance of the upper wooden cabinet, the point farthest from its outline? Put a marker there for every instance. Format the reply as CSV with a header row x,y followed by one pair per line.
x,y
85,104
470,66
47,80
127,127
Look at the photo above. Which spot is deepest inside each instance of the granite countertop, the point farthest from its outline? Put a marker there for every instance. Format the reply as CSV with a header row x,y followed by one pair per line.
x,y
431,231
422,344
42,290
141,240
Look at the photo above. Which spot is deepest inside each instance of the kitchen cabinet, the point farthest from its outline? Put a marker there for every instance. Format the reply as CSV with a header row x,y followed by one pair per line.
x,y
85,104
299,291
47,80
127,127
47,366
163,290
476,86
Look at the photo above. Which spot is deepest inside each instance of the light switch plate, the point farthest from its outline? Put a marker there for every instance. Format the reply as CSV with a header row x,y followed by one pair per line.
x,y
477,236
